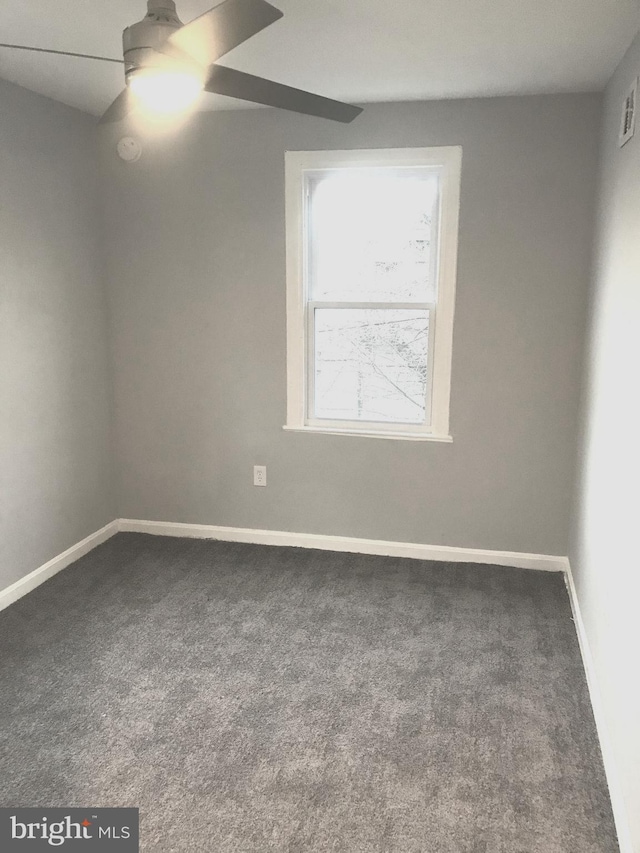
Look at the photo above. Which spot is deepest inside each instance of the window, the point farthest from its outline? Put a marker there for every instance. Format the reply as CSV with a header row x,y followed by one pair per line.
x,y
371,258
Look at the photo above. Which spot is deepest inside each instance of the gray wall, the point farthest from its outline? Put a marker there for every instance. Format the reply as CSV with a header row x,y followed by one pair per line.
x,y
196,265
604,548
54,412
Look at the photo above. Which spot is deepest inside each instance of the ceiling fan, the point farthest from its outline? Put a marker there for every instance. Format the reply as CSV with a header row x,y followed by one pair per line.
x,y
167,63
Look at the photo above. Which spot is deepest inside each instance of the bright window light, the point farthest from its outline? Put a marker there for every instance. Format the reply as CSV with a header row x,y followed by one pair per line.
x,y
166,91
370,243
371,250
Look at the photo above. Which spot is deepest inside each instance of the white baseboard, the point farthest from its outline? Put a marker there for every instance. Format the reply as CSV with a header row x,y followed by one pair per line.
x,y
441,553
608,759
33,579
381,547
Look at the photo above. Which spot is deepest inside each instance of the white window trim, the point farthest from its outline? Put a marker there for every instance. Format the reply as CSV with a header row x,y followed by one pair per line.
x,y
448,161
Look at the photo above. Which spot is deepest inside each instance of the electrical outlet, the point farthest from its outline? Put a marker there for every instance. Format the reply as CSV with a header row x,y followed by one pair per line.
x,y
259,475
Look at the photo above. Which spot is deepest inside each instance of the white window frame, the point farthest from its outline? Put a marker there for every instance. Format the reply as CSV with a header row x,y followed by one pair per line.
x,y
446,161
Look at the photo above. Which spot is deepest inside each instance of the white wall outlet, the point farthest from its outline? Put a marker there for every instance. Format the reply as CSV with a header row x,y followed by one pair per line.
x,y
259,475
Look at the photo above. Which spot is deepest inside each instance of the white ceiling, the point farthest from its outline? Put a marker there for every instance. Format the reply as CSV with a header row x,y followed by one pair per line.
x,y
355,50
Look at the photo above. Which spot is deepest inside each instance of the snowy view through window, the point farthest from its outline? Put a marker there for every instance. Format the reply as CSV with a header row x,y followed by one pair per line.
x,y
372,289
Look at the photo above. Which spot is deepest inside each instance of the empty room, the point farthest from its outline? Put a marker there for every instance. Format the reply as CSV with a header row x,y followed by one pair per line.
x,y
319,423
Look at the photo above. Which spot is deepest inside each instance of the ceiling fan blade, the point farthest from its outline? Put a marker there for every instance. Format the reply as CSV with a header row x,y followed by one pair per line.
x,y
219,30
237,84
62,53
119,109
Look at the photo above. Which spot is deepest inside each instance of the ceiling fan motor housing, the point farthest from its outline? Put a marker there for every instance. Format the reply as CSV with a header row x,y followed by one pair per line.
x,y
142,42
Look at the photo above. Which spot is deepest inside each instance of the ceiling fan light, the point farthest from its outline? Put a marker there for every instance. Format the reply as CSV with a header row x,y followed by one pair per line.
x,y
165,91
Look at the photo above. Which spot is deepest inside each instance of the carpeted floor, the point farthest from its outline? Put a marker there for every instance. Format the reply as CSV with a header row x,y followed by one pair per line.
x,y
250,698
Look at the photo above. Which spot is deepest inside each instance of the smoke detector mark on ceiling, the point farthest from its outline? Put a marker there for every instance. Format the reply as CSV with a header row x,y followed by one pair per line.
x,y
628,120
129,149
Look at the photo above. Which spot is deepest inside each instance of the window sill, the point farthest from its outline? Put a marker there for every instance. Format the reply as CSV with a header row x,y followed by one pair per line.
x,y
403,436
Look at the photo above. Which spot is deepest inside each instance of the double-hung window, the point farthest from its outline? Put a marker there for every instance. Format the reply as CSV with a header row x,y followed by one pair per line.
x,y
371,262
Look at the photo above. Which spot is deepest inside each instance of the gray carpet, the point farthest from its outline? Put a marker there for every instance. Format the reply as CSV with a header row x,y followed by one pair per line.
x,y
249,699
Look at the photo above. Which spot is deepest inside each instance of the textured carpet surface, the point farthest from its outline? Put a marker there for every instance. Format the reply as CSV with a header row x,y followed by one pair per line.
x,y
249,698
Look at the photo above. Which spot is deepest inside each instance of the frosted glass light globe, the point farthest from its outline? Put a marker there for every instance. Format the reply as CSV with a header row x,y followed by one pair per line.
x,y
165,91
